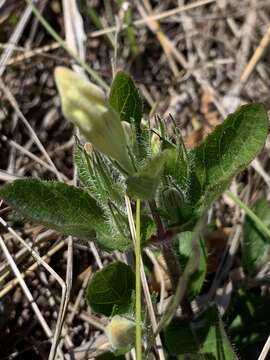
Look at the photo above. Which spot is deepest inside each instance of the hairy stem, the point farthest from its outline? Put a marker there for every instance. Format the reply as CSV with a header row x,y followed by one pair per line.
x,y
170,257
138,282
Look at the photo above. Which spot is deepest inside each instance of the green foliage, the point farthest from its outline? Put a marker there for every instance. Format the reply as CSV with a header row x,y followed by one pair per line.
x,y
174,195
110,356
83,163
256,244
225,152
58,206
249,319
203,337
105,184
143,185
127,157
126,100
113,236
110,289
175,208
178,166
67,209
99,177
196,280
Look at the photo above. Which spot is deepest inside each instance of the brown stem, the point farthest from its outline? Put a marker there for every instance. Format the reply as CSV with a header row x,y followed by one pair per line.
x,y
165,238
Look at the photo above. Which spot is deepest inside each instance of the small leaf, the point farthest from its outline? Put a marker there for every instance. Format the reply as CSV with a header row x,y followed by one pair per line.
x,y
143,185
148,228
81,159
109,238
178,167
99,177
58,206
204,337
175,207
110,288
196,280
110,356
227,151
249,319
256,245
126,100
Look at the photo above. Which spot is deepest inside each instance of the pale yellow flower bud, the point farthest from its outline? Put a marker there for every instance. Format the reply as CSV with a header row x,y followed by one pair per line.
x,y
121,332
86,106
88,147
155,144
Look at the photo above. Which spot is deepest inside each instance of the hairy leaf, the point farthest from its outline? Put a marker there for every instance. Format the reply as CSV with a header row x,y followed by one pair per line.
x,y
178,167
144,183
125,99
196,280
111,289
227,151
82,161
110,238
256,245
58,206
203,337
99,177
249,319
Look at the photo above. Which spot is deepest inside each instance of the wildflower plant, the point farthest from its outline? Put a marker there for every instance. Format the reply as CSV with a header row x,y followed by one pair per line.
x,y
124,158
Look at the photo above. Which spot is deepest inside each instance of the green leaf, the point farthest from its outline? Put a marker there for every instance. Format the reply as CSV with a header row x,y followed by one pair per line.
x,y
227,151
256,245
58,206
126,100
110,238
204,337
82,161
111,288
99,177
174,200
109,356
143,185
196,280
178,166
148,227
249,319
174,206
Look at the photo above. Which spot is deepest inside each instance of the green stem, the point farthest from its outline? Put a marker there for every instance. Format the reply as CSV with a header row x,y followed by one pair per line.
x,y
138,282
249,213
58,39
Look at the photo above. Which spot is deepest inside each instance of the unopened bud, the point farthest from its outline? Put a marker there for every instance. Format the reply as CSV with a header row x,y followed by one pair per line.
x,y
176,205
88,148
85,105
121,332
155,143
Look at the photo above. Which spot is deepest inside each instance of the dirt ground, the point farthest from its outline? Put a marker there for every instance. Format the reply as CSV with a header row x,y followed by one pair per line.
x,y
194,60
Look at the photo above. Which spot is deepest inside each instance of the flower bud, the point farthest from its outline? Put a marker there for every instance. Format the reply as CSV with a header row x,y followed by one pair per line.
x,y
121,332
85,105
155,143
175,204
88,148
